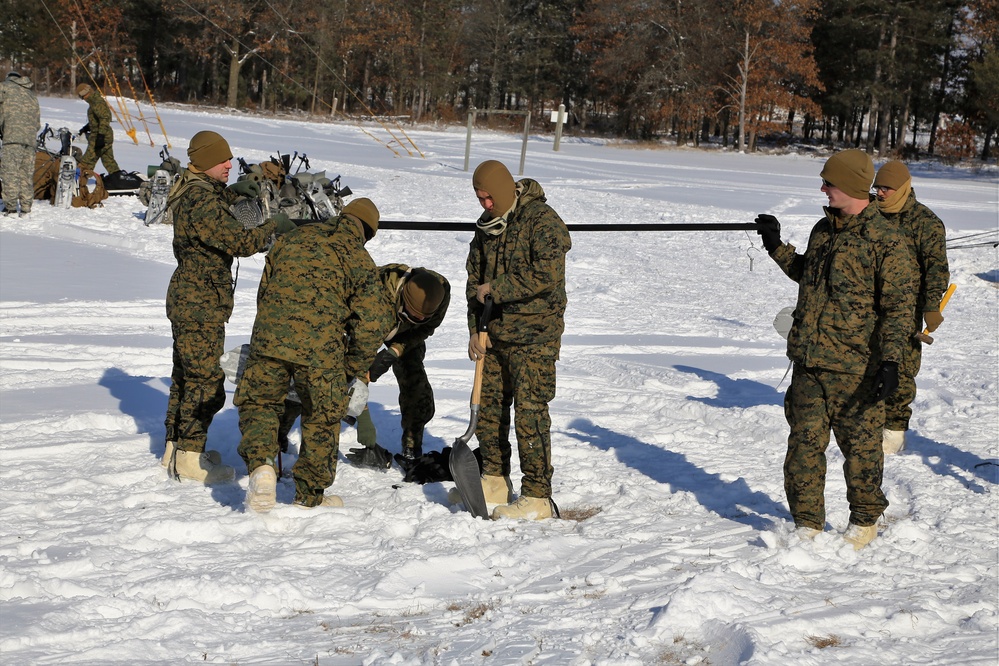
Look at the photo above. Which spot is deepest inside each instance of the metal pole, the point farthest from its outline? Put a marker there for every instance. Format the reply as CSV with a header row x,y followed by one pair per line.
x,y
523,148
468,136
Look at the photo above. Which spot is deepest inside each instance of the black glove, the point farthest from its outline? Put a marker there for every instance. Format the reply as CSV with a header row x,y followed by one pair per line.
x,y
85,129
246,188
99,143
384,360
886,381
768,227
284,223
429,468
375,456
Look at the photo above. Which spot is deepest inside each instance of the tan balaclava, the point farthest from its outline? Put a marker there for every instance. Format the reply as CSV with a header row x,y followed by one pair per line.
x,y
894,175
852,171
364,211
422,294
495,178
207,149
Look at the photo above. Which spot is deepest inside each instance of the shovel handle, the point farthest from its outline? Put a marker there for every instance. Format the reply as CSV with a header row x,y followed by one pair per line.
x,y
483,334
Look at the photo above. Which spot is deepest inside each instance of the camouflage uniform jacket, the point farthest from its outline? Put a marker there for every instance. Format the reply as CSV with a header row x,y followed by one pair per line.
x,y
525,266
856,293
206,237
407,334
99,116
19,114
929,245
320,302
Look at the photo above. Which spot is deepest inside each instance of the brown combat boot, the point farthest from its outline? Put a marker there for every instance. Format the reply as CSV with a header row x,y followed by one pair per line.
x,y
525,508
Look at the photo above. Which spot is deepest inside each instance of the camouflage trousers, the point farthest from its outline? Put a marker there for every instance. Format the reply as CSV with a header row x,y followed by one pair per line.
x,y
105,153
898,408
522,377
260,398
17,172
817,401
197,383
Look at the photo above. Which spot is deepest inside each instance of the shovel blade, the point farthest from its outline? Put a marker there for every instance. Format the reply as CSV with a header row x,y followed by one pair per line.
x,y
465,471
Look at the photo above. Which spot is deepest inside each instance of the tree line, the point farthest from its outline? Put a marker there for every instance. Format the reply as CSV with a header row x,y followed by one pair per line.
x,y
899,77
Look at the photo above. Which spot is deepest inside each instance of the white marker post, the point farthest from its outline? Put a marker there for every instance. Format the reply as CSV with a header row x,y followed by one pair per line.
x,y
558,117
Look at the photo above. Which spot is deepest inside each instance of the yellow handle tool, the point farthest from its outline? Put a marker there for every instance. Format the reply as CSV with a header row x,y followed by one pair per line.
x,y
925,335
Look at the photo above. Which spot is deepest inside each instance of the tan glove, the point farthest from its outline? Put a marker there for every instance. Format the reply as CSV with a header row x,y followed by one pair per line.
x,y
475,348
933,319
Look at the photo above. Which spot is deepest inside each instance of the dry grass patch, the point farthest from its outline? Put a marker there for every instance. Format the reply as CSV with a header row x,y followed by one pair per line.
x,y
832,640
579,514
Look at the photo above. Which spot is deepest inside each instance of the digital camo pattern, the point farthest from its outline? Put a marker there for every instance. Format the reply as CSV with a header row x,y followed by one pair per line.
x,y
819,401
929,245
526,267
19,123
522,376
320,302
260,398
199,301
206,237
322,313
101,136
408,340
856,294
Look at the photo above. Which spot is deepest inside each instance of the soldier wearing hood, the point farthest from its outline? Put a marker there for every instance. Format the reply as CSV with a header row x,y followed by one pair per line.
x,y
926,233
20,119
517,257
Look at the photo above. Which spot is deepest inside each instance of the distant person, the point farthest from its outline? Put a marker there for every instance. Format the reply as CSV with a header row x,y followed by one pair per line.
x,y
518,257
206,237
322,313
852,324
897,202
20,120
100,134
420,299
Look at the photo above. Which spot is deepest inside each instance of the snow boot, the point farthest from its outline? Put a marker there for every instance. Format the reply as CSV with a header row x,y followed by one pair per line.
x,y
199,466
527,508
328,500
261,492
892,441
804,532
496,489
860,535
213,456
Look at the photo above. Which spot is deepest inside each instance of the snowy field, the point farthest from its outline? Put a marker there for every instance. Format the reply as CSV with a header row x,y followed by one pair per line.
x,y
675,547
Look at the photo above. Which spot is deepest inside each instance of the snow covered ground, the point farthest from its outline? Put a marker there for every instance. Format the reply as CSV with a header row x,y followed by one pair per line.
x,y
676,546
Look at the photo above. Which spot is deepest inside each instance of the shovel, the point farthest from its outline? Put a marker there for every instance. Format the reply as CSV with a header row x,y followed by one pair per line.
x,y
463,465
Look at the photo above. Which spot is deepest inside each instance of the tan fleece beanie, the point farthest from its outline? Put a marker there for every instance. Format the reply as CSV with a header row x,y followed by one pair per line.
x,y
208,149
83,90
365,211
893,175
494,178
422,294
851,171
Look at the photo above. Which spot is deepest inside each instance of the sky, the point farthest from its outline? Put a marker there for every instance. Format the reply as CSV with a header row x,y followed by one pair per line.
x,y
675,544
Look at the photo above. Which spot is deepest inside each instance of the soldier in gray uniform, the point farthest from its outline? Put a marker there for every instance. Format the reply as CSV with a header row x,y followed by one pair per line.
x,y
20,119
852,324
322,313
517,257
897,202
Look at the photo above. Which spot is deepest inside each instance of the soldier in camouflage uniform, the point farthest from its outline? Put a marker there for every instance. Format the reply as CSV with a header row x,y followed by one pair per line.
x,y
100,135
19,122
897,202
206,237
851,328
517,256
321,315
420,300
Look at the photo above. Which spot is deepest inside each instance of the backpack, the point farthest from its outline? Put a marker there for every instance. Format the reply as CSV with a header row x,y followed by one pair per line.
x,y
46,175
86,198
